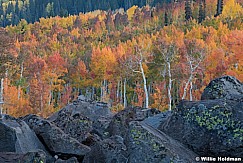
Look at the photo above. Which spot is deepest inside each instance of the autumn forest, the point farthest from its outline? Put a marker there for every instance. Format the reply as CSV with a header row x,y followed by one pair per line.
x,y
141,56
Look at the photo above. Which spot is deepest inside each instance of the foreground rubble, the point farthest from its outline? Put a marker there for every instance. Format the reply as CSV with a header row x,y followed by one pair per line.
x,y
86,131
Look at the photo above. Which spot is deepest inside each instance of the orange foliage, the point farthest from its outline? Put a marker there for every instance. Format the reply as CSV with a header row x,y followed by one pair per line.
x,y
234,47
60,56
159,96
12,104
140,95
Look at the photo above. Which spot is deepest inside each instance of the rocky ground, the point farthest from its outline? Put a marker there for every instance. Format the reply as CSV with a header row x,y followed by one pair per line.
x,y
86,131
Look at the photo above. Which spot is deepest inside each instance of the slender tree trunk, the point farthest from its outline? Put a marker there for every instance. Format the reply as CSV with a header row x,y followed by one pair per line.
x,y
59,96
104,90
134,97
107,87
186,86
101,92
121,93
124,94
189,81
50,97
21,76
41,98
92,95
169,86
1,97
190,90
117,91
50,94
1,90
41,102
144,85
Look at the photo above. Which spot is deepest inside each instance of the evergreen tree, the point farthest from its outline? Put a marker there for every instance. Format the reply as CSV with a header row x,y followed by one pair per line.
x,y
202,11
17,7
57,7
49,10
220,5
32,10
1,15
166,19
188,10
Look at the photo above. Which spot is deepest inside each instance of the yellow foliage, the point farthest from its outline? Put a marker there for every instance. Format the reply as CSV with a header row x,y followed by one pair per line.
x,y
131,11
232,9
75,32
103,63
14,105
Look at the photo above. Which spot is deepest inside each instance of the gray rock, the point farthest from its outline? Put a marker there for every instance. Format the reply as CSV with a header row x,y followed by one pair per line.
x,y
111,150
81,97
55,139
213,126
209,128
120,122
158,119
148,145
71,160
16,136
75,125
82,117
224,87
29,157
91,109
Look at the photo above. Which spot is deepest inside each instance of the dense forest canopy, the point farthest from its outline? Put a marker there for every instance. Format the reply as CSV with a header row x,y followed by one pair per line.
x,y
145,56
12,11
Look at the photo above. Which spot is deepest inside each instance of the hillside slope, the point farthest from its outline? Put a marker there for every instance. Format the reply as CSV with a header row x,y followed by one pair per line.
x,y
32,10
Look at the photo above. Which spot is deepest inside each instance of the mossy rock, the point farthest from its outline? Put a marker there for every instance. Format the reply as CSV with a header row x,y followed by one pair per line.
x,y
224,87
209,127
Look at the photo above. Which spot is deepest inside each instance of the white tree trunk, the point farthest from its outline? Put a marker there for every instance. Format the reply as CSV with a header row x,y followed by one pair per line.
x,y
121,94
191,91
124,94
169,86
50,94
21,76
189,80
117,90
104,90
186,86
144,85
1,91
101,92
41,99
1,97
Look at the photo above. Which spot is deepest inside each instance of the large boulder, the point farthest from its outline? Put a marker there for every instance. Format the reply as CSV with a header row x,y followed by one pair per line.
x,y
29,157
210,128
86,115
120,122
110,150
70,160
142,143
14,135
146,144
74,124
91,109
224,87
213,126
57,142
157,119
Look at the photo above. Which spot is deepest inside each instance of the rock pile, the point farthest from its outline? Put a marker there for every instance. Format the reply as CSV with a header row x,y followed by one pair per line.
x,y
213,126
86,131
